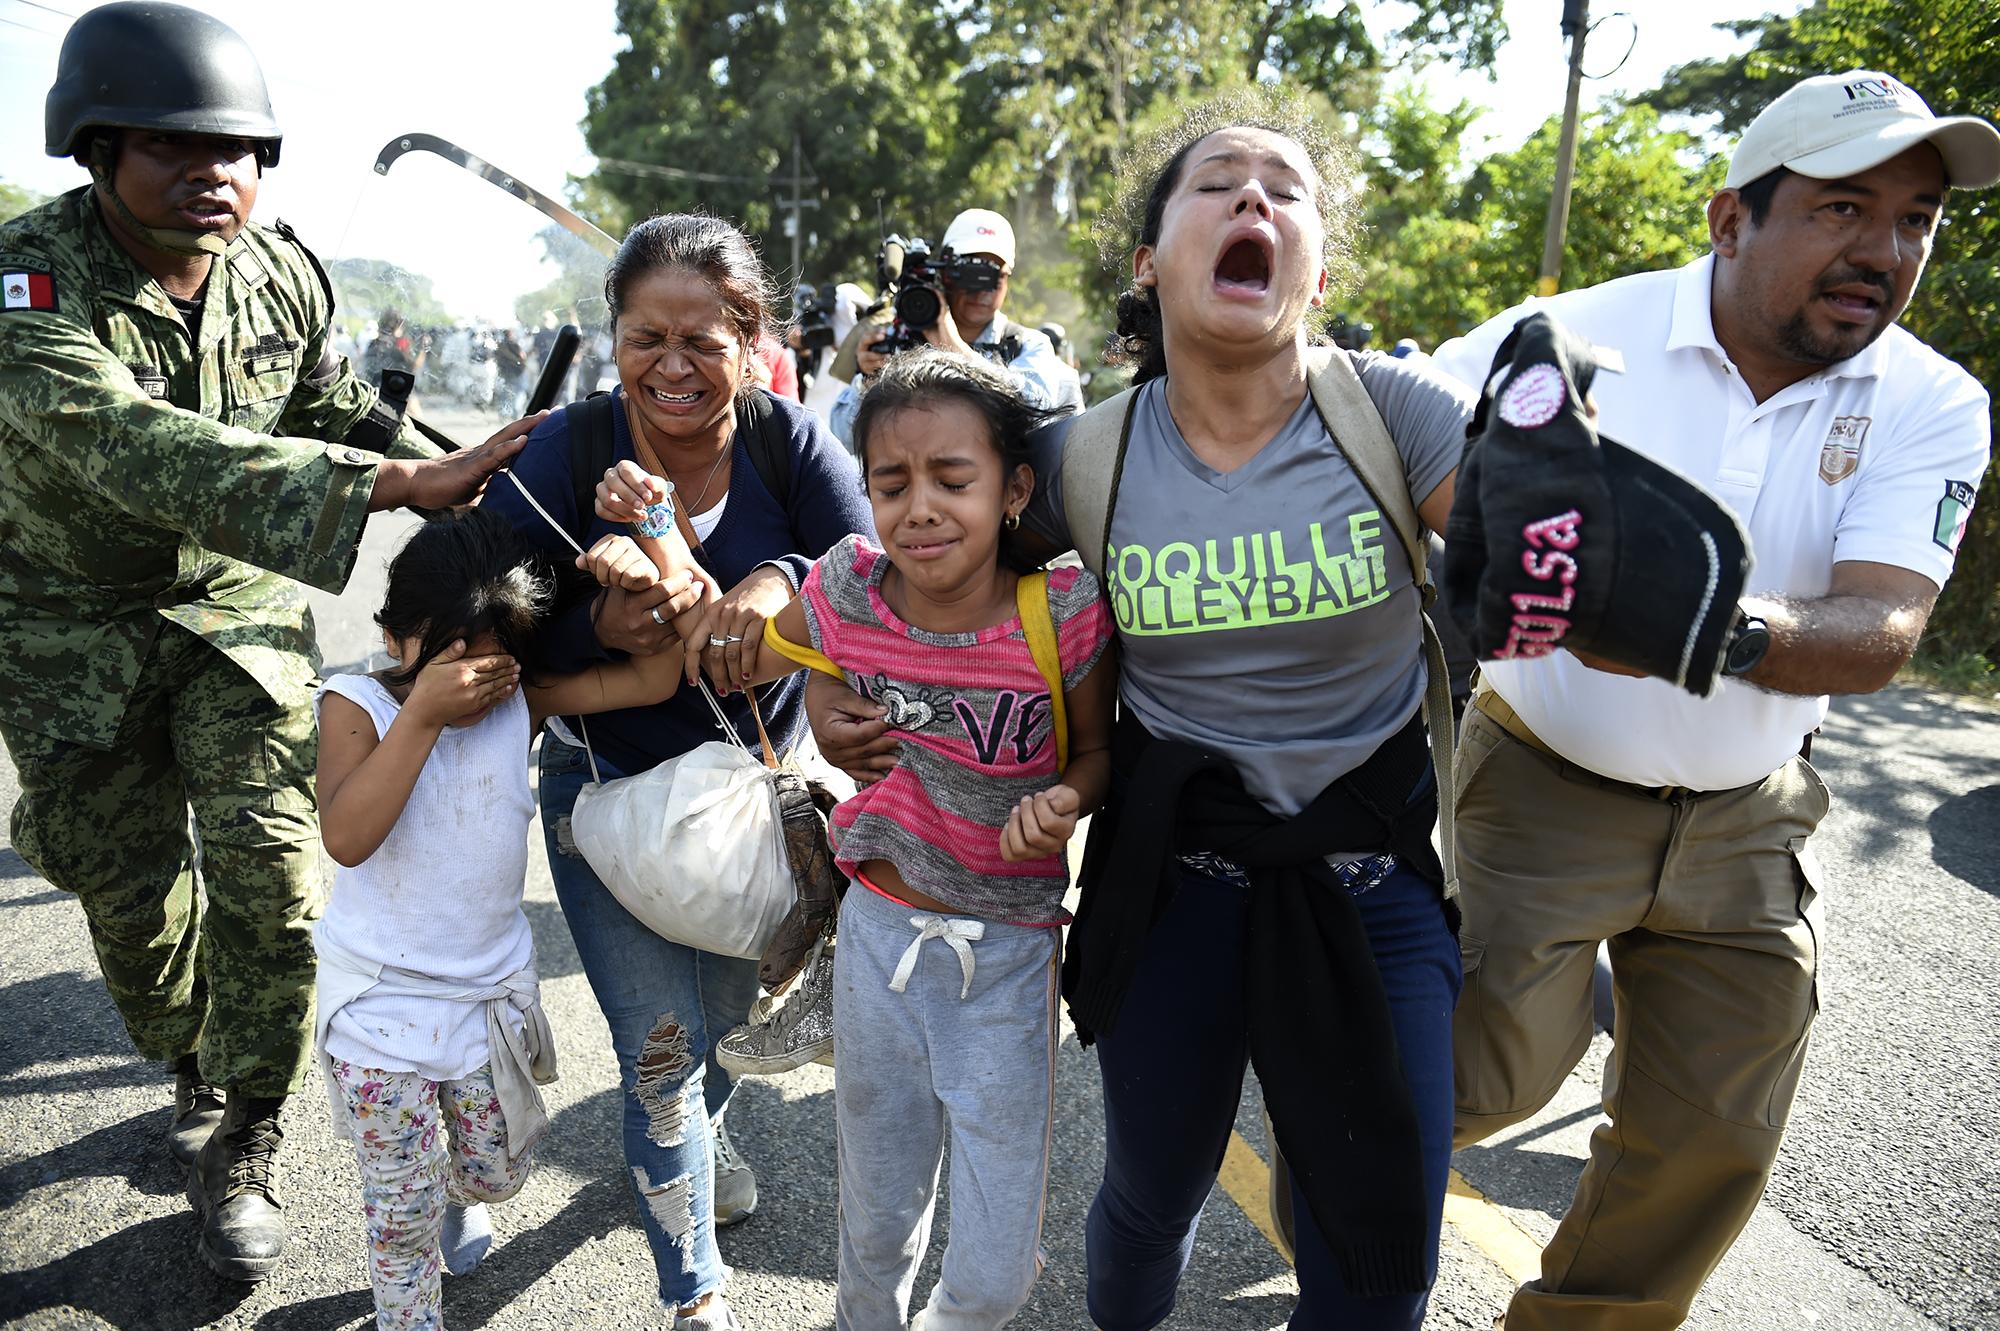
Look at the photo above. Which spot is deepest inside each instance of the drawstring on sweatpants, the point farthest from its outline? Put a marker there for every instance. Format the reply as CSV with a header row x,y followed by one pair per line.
x,y
958,933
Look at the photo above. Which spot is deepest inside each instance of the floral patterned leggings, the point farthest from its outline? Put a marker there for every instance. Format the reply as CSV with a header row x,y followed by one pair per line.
x,y
422,1143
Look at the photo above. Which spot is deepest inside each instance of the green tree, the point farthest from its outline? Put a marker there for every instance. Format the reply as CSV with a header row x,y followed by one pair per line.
x,y
703,107
1055,90
1418,223
1949,51
1451,261
909,111
1734,88
17,199
1637,202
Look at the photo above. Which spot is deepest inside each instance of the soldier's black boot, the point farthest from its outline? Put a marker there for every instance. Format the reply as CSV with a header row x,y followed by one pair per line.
x,y
233,1184
197,1109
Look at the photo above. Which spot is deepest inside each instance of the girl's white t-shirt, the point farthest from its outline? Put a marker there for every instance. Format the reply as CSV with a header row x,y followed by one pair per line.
x,y
441,896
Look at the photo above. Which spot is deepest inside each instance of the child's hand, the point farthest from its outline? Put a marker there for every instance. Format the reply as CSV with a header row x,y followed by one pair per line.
x,y
1040,825
617,561
625,491
453,686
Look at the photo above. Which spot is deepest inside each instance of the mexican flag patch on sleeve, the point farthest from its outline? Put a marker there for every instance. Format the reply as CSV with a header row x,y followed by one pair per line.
x,y
27,291
1952,513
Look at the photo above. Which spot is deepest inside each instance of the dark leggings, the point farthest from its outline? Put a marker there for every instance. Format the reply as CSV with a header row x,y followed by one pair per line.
x,y
1173,1076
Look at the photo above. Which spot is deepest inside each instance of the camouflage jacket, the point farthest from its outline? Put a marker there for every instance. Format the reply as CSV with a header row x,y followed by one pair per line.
x,y
150,477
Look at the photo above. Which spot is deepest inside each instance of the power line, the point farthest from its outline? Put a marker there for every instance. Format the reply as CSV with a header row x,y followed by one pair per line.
x,y
34,4
620,166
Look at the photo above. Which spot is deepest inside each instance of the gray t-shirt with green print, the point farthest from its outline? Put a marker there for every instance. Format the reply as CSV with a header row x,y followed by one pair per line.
x,y
1268,614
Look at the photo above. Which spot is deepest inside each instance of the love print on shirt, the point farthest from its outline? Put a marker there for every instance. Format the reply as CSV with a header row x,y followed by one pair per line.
x,y
1016,718
1023,710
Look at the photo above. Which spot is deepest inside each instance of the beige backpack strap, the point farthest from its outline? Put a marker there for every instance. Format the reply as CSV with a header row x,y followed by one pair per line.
x,y
1438,721
1357,427
1091,453
1355,424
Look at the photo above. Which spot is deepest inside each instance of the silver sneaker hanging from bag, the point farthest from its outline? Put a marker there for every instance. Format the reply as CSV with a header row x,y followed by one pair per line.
x,y
797,1032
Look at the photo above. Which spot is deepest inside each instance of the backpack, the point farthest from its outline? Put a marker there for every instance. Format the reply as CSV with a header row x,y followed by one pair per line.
x,y
592,446
1094,458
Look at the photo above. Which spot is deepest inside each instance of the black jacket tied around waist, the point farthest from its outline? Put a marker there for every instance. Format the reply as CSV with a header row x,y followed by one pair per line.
x,y
1321,1038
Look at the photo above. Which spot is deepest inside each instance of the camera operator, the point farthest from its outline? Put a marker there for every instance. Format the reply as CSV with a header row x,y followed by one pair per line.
x,y
981,243
972,323
858,361
821,322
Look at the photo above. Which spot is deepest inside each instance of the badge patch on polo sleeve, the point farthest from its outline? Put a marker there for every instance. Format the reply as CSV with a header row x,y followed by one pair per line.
x,y
1953,511
27,291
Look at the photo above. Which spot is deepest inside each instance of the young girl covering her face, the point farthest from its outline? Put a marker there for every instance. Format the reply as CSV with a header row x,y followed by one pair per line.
x,y
944,981
429,1019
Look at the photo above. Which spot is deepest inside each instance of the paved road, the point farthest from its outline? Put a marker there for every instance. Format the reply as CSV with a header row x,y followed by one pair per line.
x,y
1882,1215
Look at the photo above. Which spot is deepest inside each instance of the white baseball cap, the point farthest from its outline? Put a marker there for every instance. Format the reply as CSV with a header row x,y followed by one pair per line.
x,y
1838,125
980,231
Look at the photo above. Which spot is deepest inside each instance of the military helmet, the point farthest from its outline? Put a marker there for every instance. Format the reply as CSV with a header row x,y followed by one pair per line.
x,y
140,65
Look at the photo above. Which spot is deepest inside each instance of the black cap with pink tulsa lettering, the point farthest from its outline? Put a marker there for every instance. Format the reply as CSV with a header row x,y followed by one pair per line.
x,y
1559,538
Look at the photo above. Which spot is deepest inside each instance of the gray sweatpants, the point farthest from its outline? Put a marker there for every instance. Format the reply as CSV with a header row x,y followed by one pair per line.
x,y
967,1046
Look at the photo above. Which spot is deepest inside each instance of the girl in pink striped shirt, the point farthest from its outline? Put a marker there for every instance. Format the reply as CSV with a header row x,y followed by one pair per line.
x,y
944,980
945,977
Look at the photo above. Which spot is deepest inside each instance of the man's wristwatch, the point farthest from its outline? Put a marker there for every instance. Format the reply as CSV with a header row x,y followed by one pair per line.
x,y
1749,639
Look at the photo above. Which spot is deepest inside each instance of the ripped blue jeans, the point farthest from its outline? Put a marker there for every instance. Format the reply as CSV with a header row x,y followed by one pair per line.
x,y
666,1005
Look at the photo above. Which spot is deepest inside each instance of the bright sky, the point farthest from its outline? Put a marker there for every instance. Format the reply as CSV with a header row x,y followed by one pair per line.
x,y
506,79
1533,68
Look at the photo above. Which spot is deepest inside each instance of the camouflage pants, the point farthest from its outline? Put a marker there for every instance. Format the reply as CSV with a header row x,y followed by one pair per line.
x,y
231,975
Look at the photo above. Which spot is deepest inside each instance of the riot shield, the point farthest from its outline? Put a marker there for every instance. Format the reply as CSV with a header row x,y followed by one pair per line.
x,y
453,270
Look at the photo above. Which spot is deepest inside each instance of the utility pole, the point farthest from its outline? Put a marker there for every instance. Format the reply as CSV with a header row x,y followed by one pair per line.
x,y
1576,27
797,203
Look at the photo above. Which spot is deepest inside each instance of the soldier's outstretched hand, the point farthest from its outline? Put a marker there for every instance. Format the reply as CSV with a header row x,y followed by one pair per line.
x,y
447,482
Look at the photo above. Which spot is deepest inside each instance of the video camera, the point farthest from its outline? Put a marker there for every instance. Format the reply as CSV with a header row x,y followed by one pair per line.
x,y
812,311
914,283
1350,334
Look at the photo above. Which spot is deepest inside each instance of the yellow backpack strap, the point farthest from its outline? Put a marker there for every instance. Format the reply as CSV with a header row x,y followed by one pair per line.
x,y
1031,597
809,657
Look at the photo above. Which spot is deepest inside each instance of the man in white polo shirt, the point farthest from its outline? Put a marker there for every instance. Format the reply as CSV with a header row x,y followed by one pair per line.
x,y
1595,806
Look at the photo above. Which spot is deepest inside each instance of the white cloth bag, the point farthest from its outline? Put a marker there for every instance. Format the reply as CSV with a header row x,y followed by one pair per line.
x,y
693,848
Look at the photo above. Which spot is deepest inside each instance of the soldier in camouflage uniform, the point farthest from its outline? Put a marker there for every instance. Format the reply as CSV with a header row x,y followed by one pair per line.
x,y
168,392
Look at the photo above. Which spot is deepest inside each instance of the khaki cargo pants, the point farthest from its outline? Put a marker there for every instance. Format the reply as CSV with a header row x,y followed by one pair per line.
x,y
204,937
1709,905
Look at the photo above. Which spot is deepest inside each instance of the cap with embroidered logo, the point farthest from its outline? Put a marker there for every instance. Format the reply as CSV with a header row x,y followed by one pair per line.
x,y
980,231
1562,538
1838,125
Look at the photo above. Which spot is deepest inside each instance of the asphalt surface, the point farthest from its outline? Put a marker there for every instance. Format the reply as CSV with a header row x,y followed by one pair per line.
x,y
1882,1214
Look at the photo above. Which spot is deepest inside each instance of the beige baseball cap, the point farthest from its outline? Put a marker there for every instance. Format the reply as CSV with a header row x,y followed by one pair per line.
x,y
980,231
1839,125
